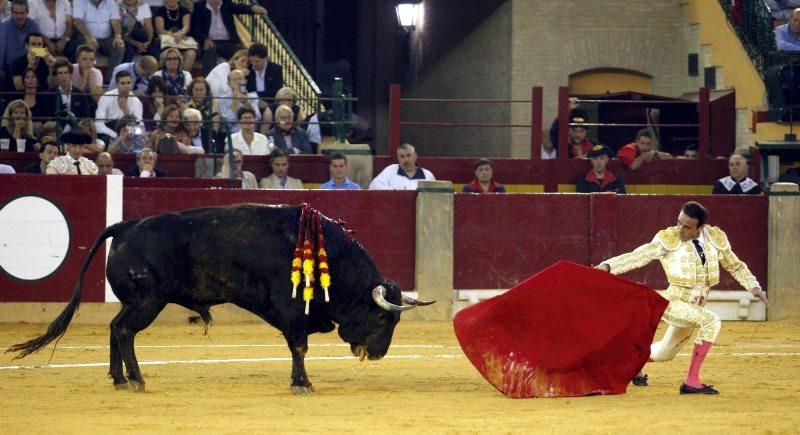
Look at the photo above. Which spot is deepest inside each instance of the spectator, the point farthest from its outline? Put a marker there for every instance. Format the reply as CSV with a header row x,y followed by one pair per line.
x,y
54,18
16,133
287,135
37,58
484,181
690,152
47,132
172,125
146,162
338,168
782,80
73,162
153,103
87,126
38,103
247,140
200,98
787,36
47,153
116,103
141,70
781,10
193,124
236,96
579,143
280,179
599,179
634,154
77,102
175,77
218,77
7,169
403,175
548,150
286,96
173,24
14,35
85,77
130,136
737,182
247,177
98,26
105,165
136,24
5,10
214,30
265,78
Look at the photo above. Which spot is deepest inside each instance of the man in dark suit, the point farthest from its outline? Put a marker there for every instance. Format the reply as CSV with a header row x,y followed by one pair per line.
x,y
265,77
287,135
214,30
77,102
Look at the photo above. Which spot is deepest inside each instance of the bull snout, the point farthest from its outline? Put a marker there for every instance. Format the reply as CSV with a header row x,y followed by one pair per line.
x,y
362,351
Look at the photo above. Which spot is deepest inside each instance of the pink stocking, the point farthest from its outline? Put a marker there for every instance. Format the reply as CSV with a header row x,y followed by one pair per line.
x,y
698,356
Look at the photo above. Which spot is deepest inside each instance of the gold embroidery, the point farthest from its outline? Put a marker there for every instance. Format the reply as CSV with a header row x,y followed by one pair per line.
x,y
669,238
717,237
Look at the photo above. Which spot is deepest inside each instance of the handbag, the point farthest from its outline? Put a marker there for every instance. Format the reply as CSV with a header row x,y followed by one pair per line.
x,y
187,43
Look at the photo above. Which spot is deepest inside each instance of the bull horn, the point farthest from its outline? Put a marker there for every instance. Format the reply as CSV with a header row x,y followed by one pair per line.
x,y
411,301
379,295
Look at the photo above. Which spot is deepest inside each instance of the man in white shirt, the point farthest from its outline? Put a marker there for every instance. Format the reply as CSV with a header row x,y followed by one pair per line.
x,y
117,103
97,25
403,175
73,163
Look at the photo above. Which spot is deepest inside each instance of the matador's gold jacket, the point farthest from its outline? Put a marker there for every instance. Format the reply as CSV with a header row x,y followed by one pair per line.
x,y
682,264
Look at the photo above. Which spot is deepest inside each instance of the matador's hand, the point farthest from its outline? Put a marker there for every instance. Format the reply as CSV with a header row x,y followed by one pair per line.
x,y
757,292
603,266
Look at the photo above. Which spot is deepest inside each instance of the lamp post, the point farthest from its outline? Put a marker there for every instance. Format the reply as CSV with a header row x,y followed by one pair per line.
x,y
407,13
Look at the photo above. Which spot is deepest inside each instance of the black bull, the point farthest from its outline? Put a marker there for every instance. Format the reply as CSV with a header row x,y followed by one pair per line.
x,y
239,254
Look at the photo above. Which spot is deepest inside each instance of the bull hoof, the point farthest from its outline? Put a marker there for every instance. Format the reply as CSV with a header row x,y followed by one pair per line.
x,y
300,390
136,386
121,386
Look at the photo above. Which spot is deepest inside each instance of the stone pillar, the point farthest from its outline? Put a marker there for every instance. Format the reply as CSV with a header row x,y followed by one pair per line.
x,y
783,260
434,250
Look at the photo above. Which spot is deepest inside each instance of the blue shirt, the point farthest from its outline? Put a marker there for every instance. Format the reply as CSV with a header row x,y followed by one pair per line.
x,y
785,40
347,185
12,40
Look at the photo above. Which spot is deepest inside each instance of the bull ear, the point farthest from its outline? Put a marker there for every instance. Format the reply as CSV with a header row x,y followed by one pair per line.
x,y
379,295
411,301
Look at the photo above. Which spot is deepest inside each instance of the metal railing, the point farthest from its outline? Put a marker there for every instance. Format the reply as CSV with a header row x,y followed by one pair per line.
x,y
753,23
261,29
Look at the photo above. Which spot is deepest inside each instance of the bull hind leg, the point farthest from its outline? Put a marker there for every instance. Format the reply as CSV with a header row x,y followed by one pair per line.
x,y
125,326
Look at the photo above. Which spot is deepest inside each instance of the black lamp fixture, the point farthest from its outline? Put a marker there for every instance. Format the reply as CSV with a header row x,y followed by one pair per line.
x,y
407,13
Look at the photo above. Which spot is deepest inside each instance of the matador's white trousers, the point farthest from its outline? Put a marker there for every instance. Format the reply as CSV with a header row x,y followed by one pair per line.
x,y
683,317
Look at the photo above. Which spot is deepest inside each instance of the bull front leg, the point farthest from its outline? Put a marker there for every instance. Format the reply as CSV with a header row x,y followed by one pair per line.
x,y
298,345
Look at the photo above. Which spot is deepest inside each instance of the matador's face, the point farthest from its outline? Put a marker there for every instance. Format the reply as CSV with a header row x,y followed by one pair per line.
x,y
688,227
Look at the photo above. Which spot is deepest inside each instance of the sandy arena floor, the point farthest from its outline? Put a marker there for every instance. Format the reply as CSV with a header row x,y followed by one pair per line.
x,y
237,380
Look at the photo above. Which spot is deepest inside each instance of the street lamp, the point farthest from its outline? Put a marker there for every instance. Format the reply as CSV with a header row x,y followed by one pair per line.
x,y
407,13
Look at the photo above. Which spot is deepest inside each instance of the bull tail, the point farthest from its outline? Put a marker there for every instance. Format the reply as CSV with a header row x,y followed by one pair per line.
x,y
59,326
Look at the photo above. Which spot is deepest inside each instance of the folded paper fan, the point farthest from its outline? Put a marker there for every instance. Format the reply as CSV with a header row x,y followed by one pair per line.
x,y
569,330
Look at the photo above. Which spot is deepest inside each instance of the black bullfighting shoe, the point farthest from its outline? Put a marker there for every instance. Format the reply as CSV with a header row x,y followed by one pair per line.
x,y
705,389
640,381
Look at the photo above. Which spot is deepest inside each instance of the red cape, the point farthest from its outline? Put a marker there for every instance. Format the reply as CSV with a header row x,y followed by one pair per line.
x,y
569,330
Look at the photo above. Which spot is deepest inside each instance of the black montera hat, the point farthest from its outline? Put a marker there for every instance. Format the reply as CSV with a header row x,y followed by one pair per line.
x,y
600,149
76,137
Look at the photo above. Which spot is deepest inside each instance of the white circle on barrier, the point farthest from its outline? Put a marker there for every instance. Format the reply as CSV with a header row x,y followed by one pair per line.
x,y
34,238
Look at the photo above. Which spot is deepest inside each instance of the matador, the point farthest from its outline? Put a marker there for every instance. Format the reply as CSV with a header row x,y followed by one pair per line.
x,y
691,253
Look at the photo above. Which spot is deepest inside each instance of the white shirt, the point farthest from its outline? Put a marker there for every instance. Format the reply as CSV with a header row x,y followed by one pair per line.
x,y
260,78
551,155
390,179
259,146
96,18
142,12
218,79
216,30
66,165
50,27
108,109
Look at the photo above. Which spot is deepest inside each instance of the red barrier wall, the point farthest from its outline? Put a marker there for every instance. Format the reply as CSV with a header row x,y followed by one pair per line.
x,y
500,240
179,183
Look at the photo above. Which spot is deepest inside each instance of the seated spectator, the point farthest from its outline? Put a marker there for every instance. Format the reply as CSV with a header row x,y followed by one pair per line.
x,y
782,79
287,135
280,179
193,124
54,18
548,150
484,181
146,162
173,24
141,70
214,30
76,102
737,182
175,77
73,162
200,98
16,132
47,153
5,10
153,103
37,58
690,152
235,96
97,25
403,175
635,154
781,10
598,179
115,104
579,143
218,77
265,77
105,165
136,24
87,126
247,140
47,132
131,137
85,77
172,125
14,36
286,96
39,104
247,177
337,166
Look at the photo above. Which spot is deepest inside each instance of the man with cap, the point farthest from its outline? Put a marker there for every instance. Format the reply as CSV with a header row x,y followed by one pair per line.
x,y
73,161
579,143
598,179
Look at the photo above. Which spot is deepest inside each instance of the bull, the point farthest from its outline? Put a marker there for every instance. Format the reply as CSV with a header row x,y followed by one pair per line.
x,y
239,254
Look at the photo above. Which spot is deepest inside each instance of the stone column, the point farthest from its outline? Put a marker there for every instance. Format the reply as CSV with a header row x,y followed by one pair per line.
x,y
434,250
783,260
